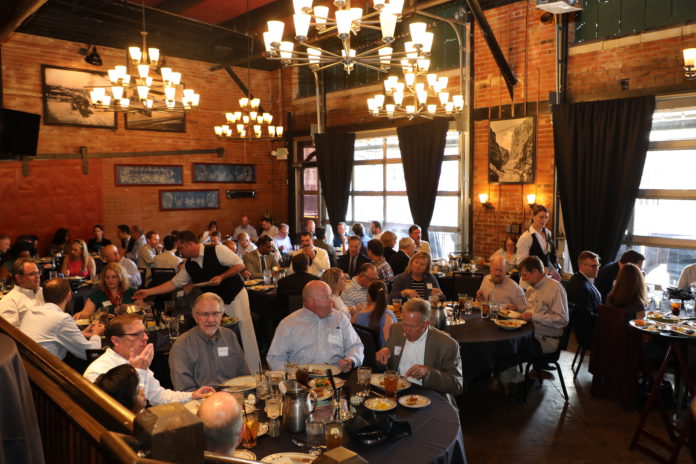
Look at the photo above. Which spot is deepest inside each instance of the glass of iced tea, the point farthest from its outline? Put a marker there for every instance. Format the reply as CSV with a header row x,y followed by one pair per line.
x,y
250,430
302,375
676,306
396,306
391,383
462,298
485,308
334,434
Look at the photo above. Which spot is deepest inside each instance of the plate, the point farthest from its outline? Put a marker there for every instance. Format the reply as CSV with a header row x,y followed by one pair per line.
x,y
263,429
508,314
229,320
244,454
510,324
261,288
240,384
682,330
414,401
319,370
377,380
251,282
645,326
662,317
380,404
288,458
325,382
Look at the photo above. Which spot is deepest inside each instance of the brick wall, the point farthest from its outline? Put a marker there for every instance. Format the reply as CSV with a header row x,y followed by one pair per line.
x,y
57,194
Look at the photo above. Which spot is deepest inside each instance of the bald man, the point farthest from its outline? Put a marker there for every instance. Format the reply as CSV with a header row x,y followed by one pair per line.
x,y
221,415
316,333
500,289
110,254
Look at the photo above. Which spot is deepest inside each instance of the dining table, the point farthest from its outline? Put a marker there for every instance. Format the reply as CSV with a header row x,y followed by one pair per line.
x,y
436,434
486,347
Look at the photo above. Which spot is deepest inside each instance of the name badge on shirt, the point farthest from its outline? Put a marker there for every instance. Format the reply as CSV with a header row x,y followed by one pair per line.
x,y
106,303
397,351
334,339
429,286
223,351
180,294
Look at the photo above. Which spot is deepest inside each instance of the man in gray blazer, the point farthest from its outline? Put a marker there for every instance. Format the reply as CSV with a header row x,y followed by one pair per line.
x,y
256,261
423,354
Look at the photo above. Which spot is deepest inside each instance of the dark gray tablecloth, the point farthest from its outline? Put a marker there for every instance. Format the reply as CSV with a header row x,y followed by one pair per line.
x,y
486,347
19,429
436,435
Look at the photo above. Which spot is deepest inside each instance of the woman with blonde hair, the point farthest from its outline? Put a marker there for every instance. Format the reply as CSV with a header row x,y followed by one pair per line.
x,y
79,263
335,279
388,239
629,291
112,290
376,316
416,281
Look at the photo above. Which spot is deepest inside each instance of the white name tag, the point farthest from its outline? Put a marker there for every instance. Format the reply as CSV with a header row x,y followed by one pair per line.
x,y
106,303
429,286
397,351
223,351
334,339
180,294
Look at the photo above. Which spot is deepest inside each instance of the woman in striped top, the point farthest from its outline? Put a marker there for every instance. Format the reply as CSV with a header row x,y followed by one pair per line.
x,y
416,281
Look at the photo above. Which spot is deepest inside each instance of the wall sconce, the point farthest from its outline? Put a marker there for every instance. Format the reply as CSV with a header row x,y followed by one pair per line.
x,y
483,198
93,57
531,200
690,63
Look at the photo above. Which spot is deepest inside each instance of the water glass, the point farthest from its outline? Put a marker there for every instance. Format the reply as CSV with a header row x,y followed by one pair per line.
x,y
468,307
172,325
290,370
315,434
364,376
263,386
267,277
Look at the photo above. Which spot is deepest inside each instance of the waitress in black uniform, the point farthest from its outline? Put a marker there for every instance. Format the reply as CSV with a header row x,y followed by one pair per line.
x,y
537,241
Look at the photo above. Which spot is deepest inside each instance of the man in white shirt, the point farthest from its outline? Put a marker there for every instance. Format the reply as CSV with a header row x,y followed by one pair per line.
x,y
219,267
425,355
244,244
110,254
376,229
127,338
318,258
246,227
267,227
498,288
282,239
316,333
687,277
415,233
146,257
51,327
26,292
168,258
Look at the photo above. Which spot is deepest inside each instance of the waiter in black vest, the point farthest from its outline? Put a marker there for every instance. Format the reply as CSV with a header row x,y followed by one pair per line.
x,y
220,267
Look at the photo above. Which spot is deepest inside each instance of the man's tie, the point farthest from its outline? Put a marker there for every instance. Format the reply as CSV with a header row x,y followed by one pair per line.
x,y
351,268
263,263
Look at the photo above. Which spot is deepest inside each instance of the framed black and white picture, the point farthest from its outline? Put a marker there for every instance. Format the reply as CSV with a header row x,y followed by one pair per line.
x,y
512,151
224,172
148,174
174,200
66,100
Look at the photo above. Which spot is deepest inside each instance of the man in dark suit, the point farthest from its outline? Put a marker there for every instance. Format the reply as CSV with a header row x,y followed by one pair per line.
x,y
350,262
400,260
423,354
584,297
320,242
294,283
260,260
607,275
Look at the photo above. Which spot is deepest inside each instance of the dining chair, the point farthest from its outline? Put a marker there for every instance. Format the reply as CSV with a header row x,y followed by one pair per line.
x,y
370,341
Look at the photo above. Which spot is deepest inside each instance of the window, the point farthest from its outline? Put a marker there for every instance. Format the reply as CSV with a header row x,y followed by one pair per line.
x,y
663,226
309,201
378,191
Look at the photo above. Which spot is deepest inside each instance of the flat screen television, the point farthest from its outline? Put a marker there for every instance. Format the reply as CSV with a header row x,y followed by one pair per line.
x,y
19,133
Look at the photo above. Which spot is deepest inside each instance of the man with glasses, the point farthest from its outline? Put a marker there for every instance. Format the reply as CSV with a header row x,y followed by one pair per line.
x,y
128,343
355,292
26,292
207,354
585,297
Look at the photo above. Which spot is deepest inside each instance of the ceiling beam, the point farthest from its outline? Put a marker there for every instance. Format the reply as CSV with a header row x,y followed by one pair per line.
x,y
176,6
13,13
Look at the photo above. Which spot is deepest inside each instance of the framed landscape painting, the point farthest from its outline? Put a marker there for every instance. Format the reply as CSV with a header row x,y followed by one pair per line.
x,y
512,151
66,100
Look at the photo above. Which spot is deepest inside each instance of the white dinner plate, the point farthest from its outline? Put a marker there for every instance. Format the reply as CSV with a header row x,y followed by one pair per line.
x,y
510,324
319,370
380,404
377,380
338,381
251,282
244,454
414,401
240,384
288,458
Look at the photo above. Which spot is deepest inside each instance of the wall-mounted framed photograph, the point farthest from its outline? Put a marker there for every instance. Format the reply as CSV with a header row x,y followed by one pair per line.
x,y
66,100
148,174
176,200
224,173
512,151
160,121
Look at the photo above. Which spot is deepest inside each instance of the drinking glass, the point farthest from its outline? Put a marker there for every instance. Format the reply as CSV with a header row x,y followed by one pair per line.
x,y
364,376
290,370
251,429
168,307
263,386
315,434
468,307
485,310
172,325
275,378
676,306
334,434
391,383
273,409
302,375
462,298
396,306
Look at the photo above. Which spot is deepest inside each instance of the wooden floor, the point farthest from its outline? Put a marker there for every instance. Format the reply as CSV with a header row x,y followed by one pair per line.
x,y
548,430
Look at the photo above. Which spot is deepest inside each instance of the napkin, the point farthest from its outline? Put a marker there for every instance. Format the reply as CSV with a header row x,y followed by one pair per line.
x,y
369,428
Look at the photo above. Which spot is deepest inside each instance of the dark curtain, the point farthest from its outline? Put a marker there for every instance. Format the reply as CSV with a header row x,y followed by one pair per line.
x,y
335,161
422,149
600,151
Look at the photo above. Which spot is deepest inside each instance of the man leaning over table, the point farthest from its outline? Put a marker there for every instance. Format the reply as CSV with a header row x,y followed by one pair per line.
x,y
26,292
421,353
207,354
498,288
127,341
316,333
218,267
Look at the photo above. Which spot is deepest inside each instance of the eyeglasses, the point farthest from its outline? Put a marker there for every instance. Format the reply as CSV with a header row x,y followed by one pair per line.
x,y
593,266
32,274
135,334
211,314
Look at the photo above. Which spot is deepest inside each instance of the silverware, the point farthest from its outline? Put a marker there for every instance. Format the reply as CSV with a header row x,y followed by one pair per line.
x,y
372,390
304,444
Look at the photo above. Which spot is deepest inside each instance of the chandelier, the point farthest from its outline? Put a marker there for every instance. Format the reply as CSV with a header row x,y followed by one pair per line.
x,y
690,63
420,95
133,92
249,123
348,21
